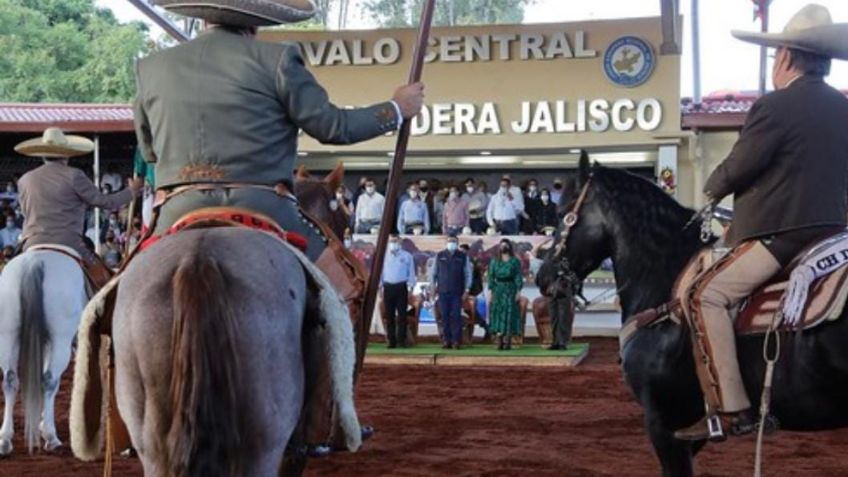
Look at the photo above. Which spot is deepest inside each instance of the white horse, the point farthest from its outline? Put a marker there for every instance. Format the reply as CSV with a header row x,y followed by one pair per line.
x,y
42,295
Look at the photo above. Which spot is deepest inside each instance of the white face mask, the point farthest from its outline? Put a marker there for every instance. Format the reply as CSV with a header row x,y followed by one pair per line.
x,y
546,198
504,189
413,194
10,189
369,190
334,205
348,243
531,188
453,195
452,246
470,189
394,246
10,224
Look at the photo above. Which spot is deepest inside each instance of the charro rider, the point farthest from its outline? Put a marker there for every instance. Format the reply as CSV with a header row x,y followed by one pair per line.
x,y
55,196
789,178
220,117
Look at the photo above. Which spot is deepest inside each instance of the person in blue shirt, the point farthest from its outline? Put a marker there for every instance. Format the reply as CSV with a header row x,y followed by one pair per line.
x,y
451,281
413,213
397,281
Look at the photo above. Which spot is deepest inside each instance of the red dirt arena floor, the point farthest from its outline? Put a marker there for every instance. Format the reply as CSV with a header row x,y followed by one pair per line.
x,y
444,421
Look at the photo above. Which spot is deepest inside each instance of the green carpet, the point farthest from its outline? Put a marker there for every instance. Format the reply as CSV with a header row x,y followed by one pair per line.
x,y
530,350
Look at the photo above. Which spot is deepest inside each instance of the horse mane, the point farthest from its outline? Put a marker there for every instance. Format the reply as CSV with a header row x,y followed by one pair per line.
x,y
648,217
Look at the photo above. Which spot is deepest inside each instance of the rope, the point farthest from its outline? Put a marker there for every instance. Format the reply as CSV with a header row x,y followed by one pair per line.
x,y
765,399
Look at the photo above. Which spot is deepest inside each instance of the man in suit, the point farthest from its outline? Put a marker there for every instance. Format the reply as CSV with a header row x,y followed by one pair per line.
x,y
451,280
223,112
789,179
55,196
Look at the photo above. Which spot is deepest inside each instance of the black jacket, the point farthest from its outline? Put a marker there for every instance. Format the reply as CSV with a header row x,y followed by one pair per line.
x,y
789,168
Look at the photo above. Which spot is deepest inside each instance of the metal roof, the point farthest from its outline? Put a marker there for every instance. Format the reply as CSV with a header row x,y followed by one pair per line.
x,y
72,118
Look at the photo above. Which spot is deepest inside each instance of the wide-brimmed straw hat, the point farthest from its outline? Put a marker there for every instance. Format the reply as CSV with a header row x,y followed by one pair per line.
x,y
811,29
55,144
244,13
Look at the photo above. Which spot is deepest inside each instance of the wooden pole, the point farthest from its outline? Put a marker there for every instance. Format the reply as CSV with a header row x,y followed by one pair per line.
x,y
392,191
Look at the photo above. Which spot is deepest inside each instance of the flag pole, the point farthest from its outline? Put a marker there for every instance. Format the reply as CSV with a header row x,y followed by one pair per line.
x,y
392,191
764,19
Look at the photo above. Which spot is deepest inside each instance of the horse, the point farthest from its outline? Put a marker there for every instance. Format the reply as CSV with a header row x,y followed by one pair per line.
x,y
650,239
317,195
43,294
209,341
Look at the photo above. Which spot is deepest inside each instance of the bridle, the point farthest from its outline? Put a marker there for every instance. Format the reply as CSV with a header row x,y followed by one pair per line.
x,y
564,269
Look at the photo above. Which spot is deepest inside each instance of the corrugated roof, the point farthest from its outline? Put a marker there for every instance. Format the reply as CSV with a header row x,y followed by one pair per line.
x,y
79,118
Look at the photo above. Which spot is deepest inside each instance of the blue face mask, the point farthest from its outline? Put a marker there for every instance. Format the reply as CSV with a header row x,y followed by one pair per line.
x,y
452,246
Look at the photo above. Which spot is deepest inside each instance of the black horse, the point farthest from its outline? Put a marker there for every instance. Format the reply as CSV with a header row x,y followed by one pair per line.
x,y
645,232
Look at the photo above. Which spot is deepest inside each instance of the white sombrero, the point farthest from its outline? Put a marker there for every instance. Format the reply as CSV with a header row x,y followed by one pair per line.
x,y
247,13
811,29
55,144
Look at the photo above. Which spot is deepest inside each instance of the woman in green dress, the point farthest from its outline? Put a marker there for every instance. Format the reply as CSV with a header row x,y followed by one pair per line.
x,y
505,283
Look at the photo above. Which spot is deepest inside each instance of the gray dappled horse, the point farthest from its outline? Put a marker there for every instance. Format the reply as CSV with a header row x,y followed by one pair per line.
x,y
207,337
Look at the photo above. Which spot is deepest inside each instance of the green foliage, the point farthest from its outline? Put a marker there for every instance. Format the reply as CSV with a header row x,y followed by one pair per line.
x,y
66,51
405,13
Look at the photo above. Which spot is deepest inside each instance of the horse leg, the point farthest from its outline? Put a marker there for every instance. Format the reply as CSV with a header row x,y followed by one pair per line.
x,y
10,392
60,354
675,455
9,357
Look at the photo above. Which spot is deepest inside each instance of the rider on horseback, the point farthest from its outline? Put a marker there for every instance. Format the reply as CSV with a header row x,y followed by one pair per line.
x,y
220,117
788,176
54,198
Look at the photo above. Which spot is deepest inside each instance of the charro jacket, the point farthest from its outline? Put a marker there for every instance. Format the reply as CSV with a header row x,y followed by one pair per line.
x,y
789,168
228,108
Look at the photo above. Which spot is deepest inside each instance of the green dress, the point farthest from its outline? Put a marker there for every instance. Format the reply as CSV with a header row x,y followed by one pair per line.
x,y
505,281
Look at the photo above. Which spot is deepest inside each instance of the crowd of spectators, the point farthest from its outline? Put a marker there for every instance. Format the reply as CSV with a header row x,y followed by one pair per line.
x,y
429,208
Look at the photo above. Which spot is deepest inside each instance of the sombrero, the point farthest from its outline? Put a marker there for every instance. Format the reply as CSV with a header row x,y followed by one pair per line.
x,y
811,29
246,13
55,144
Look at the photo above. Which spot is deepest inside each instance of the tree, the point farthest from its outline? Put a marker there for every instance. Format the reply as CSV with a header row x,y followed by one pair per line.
x,y
67,51
405,13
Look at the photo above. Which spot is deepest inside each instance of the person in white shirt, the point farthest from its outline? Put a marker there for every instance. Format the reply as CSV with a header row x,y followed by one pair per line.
x,y
502,213
369,209
517,194
10,234
413,214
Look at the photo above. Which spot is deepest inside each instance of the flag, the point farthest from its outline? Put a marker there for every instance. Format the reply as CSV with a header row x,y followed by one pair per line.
x,y
143,169
760,8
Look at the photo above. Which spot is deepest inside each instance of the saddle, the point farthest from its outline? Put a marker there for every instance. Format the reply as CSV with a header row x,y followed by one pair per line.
x,y
825,300
96,273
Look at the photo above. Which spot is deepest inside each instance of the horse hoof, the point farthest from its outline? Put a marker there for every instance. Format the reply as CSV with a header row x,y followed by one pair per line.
x,y
5,448
52,444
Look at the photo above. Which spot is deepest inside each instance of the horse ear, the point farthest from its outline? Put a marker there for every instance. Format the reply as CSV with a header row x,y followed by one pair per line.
x,y
584,168
335,178
301,174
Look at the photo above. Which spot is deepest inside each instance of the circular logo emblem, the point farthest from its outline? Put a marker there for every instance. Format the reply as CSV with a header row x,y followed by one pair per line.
x,y
629,61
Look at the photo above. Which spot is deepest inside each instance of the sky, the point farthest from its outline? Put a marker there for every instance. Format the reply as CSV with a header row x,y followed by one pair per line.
x,y
726,63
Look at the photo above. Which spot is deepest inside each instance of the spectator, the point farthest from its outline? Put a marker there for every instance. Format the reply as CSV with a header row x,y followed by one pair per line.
x,y
517,194
425,193
113,180
413,216
455,217
450,282
111,253
546,216
439,210
476,288
10,234
8,255
502,213
340,201
478,202
532,206
10,194
129,238
397,281
556,194
369,209
505,283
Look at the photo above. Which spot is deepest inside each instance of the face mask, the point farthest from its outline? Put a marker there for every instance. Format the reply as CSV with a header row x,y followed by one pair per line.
x,y
10,189
452,246
453,195
348,243
10,224
394,246
470,189
423,188
557,186
504,189
339,195
545,198
369,190
505,251
531,188
413,194
334,205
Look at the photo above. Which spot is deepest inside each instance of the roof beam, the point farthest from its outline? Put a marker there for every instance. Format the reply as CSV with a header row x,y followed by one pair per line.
x,y
170,27
670,27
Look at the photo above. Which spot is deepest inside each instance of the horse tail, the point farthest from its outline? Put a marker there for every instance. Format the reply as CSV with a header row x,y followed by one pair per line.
x,y
205,435
34,339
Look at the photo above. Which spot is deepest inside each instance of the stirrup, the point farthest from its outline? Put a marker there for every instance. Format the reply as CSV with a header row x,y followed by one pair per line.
x,y
714,428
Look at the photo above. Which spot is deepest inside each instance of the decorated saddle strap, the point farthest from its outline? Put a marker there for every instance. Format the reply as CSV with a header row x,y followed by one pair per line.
x,y
232,217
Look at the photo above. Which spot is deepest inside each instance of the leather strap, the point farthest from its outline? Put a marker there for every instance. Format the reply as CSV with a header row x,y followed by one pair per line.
x,y
165,194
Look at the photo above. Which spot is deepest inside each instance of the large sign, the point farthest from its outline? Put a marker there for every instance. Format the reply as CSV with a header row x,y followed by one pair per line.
x,y
506,87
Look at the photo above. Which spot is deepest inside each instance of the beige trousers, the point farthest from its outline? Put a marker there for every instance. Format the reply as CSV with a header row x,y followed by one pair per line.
x,y
712,297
